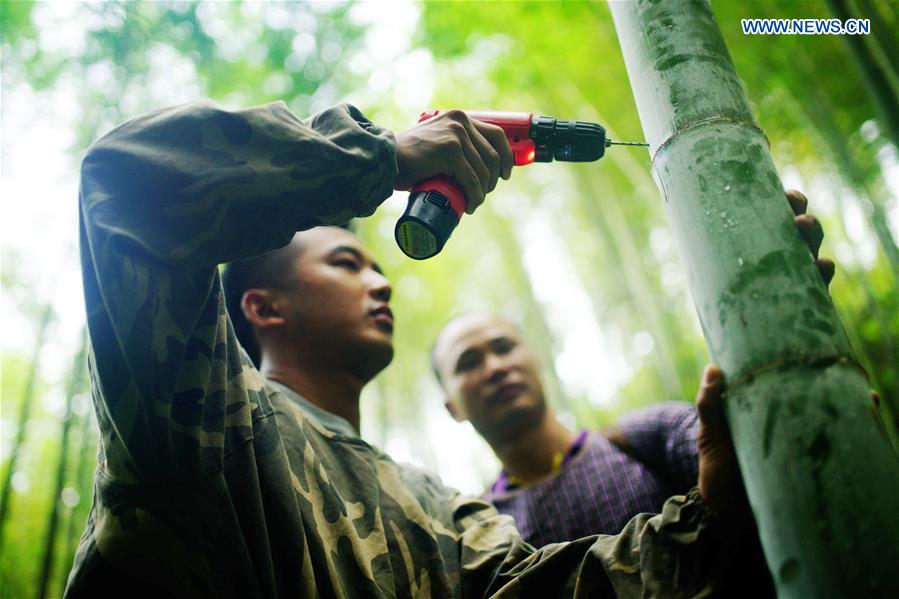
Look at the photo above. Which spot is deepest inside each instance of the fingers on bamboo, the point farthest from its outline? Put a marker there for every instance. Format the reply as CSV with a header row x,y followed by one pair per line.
x,y
827,268
811,230
798,201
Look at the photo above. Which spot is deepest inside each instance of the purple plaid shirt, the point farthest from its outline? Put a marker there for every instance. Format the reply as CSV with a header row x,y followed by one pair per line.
x,y
602,486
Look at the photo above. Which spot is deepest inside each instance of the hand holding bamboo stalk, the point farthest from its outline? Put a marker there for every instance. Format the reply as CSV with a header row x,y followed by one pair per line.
x,y
719,482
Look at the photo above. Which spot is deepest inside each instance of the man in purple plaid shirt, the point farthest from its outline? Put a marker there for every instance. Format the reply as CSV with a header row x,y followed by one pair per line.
x,y
558,484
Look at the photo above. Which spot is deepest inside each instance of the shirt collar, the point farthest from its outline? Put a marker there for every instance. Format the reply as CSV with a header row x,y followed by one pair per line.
x,y
329,421
506,482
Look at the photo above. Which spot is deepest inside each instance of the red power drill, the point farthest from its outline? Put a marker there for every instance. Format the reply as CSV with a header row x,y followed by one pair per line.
x,y
436,204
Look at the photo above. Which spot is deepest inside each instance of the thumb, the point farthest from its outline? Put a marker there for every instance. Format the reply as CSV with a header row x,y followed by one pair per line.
x,y
710,404
719,478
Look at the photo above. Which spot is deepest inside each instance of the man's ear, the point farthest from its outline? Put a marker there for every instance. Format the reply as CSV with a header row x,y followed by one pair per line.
x,y
260,308
454,410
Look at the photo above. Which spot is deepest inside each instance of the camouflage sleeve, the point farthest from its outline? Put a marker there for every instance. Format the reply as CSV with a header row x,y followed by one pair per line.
x,y
166,197
677,553
664,437
196,184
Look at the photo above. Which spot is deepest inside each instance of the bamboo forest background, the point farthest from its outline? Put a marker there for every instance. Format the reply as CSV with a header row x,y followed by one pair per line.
x,y
579,254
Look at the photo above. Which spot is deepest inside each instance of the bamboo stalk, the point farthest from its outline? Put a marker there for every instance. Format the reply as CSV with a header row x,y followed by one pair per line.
x,y
818,111
82,484
599,279
848,175
822,480
610,216
883,33
539,333
877,79
24,414
632,166
887,408
383,411
75,381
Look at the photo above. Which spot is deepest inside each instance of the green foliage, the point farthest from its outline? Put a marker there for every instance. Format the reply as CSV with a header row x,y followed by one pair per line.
x,y
20,559
15,19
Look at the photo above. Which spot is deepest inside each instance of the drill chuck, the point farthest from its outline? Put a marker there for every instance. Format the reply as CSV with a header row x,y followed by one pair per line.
x,y
567,141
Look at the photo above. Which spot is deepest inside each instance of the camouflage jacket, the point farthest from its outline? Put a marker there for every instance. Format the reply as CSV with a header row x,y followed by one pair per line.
x,y
213,482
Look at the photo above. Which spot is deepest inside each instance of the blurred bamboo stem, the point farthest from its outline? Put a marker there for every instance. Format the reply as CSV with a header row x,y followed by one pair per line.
x,y
635,274
76,381
883,35
24,413
539,333
607,214
877,77
849,174
616,234
818,110
822,479
83,486
887,408
383,411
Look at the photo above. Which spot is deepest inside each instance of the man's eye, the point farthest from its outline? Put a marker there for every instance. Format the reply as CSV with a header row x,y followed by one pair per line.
x,y
465,365
347,263
503,346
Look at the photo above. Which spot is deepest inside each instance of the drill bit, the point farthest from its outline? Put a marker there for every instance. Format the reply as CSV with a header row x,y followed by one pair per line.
x,y
609,142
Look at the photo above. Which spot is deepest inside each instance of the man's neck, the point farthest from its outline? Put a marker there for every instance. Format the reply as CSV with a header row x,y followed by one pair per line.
x,y
334,391
531,455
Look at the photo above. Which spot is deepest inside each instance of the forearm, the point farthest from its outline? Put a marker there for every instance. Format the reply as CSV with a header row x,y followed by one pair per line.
x,y
673,554
200,185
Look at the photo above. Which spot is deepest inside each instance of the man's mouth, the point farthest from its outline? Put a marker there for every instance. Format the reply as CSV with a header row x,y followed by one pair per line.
x,y
506,393
383,316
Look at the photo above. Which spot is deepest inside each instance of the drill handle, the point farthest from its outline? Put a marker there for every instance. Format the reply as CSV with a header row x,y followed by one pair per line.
x,y
516,126
436,204
432,213
447,187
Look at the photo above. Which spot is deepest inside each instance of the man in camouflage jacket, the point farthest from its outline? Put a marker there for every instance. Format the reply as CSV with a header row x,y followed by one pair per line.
x,y
215,480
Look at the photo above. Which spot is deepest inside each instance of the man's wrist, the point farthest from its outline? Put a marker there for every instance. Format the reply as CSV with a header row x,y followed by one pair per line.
x,y
705,514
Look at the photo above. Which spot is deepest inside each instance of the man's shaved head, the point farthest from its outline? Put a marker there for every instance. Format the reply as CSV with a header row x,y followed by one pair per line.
x,y
489,375
273,270
475,318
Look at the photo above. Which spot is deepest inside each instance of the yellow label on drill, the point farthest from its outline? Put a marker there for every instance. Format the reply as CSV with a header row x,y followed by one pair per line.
x,y
417,241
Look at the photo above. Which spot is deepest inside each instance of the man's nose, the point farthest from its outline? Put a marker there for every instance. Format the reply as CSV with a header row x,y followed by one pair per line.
x,y
379,287
495,367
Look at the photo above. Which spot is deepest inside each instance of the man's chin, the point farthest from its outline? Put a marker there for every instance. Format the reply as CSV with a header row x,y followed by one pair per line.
x,y
373,356
511,421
